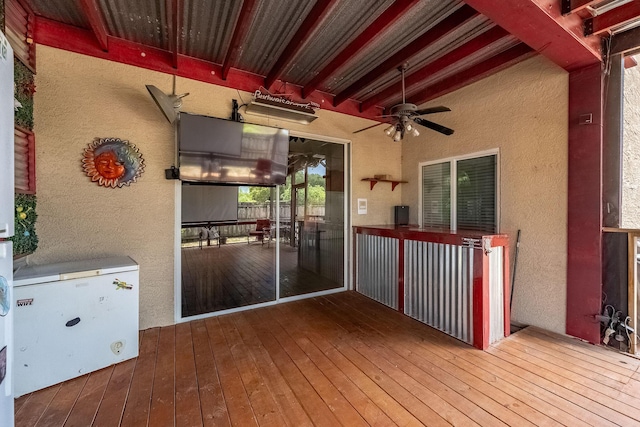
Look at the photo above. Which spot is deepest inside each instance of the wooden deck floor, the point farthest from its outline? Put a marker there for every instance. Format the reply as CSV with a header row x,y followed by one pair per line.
x,y
343,360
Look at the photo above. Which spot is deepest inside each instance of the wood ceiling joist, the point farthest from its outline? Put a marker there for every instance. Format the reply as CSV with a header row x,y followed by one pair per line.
x,y
490,66
92,12
626,42
573,6
239,33
388,17
312,20
540,24
443,28
478,43
614,18
174,12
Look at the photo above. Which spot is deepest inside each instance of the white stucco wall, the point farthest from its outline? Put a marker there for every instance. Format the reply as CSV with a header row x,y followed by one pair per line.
x,y
79,98
522,111
630,209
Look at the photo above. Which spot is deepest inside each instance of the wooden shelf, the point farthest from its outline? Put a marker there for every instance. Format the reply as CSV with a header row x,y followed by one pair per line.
x,y
374,181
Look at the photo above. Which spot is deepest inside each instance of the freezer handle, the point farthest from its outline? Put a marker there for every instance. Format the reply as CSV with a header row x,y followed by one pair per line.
x,y
73,322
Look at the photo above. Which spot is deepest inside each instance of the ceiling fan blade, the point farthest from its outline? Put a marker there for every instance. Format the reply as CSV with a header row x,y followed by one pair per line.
x,y
440,109
438,128
372,126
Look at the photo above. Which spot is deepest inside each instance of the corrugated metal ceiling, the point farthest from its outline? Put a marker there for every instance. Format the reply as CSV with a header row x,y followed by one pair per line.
x,y
64,11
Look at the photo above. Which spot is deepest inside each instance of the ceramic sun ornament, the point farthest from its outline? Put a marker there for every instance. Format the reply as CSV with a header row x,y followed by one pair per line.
x,y
112,162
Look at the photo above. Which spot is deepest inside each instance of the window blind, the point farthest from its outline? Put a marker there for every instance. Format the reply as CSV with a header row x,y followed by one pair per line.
x,y
476,194
436,195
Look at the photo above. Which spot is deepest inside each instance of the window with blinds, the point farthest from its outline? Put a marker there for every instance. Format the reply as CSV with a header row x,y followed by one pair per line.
x,y
25,171
462,192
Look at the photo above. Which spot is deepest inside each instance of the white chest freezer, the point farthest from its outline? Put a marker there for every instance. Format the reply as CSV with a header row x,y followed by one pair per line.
x,y
73,318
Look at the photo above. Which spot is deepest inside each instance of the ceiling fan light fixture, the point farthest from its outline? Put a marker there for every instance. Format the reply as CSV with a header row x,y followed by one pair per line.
x,y
398,135
389,130
409,127
415,132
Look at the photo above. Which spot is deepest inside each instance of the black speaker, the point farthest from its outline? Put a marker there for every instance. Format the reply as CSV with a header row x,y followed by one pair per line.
x,y
401,215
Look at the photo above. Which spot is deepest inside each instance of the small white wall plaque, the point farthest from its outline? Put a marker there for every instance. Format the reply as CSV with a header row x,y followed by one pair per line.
x,y
362,206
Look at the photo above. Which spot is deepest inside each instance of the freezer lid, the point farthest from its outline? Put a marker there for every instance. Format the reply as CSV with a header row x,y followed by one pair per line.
x,y
34,274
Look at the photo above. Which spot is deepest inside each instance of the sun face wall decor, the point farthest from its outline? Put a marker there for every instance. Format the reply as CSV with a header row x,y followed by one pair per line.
x,y
112,162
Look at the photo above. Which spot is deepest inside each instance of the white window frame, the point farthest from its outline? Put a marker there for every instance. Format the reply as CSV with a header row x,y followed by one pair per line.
x,y
454,195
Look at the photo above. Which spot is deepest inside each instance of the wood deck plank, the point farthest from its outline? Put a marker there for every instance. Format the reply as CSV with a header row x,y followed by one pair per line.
x,y
262,401
472,391
89,399
316,408
342,359
187,397
236,398
60,407
162,410
213,406
138,404
115,395
432,346
38,402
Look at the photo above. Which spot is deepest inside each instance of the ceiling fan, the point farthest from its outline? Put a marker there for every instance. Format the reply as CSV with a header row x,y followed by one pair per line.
x,y
404,117
168,104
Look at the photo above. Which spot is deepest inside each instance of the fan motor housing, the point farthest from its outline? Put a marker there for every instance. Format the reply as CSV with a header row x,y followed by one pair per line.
x,y
403,108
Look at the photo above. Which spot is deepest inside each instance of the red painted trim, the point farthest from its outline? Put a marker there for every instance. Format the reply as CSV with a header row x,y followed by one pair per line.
x,y
174,7
92,12
239,33
388,17
584,222
506,274
477,72
539,24
423,235
355,260
82,41
31,161
453,21
308,26
615,17
476,44
480,300
401,275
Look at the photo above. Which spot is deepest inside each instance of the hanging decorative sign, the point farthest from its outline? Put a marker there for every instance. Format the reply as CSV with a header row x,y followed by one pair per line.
x,y
112,162
282,101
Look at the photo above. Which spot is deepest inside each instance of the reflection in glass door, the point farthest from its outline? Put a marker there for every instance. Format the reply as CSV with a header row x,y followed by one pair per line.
x,y
312,205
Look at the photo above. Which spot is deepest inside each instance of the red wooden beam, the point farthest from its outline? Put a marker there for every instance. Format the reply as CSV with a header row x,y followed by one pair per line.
x,y
92,11
174,17
573,6
478,43
313,19
453,21
584,216
477,72
539,24
630,62
388,17
627,42
239,33
614,18
74,39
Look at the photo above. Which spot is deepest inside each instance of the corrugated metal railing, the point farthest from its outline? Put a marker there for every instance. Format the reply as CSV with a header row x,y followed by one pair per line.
x,y
377,268
438,285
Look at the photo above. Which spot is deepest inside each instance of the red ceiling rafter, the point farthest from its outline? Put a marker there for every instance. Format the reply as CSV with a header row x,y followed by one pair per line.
x,y
313,19
453,21
627,42
619,16
74,39
475,73
239,33
630,62
388,17
573,6
92,12
174,17
539,24
476,44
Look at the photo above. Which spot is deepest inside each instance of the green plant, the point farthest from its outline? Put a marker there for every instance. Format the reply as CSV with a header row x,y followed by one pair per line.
x,y
25,88
25,240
